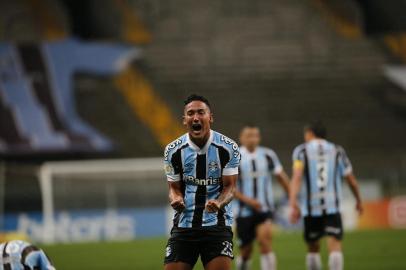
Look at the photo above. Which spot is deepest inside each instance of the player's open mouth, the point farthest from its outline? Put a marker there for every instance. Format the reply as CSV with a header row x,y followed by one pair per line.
x,y
196,127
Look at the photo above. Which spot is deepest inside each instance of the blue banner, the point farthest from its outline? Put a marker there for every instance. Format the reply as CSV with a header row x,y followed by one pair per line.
x,y
92,225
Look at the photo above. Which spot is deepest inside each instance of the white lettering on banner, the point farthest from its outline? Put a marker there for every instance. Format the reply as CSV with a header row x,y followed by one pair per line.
x,y
108,226
397,212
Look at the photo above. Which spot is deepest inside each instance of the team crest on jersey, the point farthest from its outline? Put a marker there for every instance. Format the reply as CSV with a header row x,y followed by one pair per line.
x,y
213,166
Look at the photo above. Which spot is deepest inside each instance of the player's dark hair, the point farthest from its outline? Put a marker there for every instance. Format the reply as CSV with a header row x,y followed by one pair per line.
x,y
194,97
250,125
318,128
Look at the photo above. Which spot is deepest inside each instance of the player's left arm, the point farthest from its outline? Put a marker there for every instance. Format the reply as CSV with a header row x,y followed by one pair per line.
x,y
228,178
226,195
353,183
345,166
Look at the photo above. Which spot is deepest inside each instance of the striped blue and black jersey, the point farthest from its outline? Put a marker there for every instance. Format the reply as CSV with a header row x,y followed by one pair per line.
x,y
20,255
201,170
324,165
255,178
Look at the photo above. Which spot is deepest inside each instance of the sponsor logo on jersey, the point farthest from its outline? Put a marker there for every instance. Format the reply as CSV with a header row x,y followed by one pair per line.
x,y
233,144
201,182
171,146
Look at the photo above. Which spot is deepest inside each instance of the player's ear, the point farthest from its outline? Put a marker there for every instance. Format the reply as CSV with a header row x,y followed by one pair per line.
x,y
211,118
184,120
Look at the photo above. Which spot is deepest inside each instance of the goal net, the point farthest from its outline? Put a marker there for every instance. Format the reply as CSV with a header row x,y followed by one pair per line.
x,y
102,200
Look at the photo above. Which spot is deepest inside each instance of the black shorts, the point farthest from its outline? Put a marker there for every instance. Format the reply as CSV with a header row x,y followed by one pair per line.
x,y
317,227
186,244
247,227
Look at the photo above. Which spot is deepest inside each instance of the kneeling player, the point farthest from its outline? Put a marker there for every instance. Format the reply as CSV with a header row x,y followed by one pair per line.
x,y
20,255
254,192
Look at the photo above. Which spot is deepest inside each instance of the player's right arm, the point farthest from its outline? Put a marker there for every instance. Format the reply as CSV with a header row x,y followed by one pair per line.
x,y
173,167
176,196
295,184
38,260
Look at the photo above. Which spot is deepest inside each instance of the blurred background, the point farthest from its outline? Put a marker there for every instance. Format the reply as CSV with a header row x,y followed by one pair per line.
x,y
91,92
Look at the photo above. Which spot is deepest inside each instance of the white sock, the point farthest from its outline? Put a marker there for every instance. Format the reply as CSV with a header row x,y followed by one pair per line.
x,y
313,261
242,265
336,260
268,261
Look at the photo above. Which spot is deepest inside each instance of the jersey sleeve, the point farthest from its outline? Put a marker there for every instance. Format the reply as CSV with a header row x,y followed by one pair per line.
x,y
38,260
298,157
231,168
344,163
172,163
275,164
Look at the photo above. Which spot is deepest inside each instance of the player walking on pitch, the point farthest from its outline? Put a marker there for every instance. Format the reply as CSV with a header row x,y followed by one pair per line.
x,y
255,198
201,168
322,165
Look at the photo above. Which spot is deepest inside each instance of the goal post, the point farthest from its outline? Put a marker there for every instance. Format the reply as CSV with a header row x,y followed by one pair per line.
x,y
108,185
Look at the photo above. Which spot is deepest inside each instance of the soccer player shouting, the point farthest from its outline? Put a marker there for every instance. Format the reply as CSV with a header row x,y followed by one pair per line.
x,y
322,165
201,168
254,192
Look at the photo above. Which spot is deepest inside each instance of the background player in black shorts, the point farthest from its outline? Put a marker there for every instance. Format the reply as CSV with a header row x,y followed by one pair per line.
x,y
201,168
256,202
321,165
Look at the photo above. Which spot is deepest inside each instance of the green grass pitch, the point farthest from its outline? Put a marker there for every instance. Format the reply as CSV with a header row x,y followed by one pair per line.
x,y
369,250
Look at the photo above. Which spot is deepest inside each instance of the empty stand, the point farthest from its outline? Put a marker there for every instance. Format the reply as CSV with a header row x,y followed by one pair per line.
x,y
279,64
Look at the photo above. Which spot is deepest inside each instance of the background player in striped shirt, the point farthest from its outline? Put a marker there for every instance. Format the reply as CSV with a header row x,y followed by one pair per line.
x,y
201,168
322,165
20,255
255,197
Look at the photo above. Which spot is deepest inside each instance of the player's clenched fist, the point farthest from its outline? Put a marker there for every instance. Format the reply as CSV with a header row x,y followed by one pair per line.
x,y
212,206
178,204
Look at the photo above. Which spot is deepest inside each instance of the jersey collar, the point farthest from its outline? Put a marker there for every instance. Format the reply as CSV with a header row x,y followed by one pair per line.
x,y
250,155
317,140
199,150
